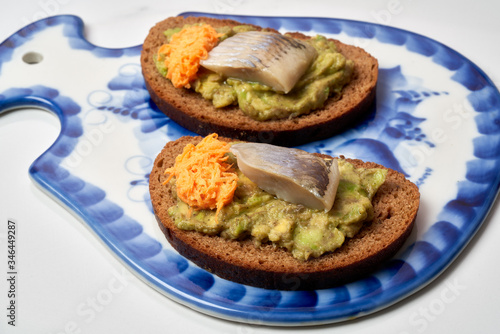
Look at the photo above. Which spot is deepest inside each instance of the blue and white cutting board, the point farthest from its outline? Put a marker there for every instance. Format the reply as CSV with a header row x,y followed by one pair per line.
x,y
437,120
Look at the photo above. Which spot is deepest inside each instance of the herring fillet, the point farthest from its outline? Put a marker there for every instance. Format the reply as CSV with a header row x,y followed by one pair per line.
x,y
265,57
291,174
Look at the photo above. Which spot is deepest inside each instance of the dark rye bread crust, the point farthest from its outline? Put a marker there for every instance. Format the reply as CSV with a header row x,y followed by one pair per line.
x,y
395,204
196,114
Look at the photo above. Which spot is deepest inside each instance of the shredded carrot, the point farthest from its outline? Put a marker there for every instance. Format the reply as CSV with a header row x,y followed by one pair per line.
x,y
185,50
204,179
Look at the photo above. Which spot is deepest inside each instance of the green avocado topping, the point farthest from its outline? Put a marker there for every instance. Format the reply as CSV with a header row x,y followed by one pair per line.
x,y
329,72
305,232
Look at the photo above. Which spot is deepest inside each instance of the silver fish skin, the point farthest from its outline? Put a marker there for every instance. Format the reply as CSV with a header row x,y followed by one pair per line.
x,y
269,58
291,174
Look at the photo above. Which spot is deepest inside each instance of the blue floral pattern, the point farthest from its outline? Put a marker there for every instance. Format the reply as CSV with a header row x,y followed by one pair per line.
x,y
123,112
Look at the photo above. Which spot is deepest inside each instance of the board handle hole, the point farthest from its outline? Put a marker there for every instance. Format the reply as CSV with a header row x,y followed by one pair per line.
x,y
32,58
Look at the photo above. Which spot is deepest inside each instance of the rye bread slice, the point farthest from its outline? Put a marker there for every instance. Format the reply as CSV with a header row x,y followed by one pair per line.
x,y
190,110
395,204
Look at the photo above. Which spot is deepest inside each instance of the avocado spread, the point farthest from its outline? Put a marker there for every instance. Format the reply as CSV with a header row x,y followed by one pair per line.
x,y
329,72
305,232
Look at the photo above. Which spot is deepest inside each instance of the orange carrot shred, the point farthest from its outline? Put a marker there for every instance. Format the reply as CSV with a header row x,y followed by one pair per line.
x,y
185,50
204,179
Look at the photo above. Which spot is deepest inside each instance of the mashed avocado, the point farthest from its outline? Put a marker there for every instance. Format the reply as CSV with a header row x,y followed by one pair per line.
x,y
303,231
326,76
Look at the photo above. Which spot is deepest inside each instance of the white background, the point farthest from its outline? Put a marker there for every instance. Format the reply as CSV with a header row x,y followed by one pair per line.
x,y
63,268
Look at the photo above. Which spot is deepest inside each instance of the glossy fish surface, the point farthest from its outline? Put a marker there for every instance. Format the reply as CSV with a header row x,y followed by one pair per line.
x,y
269,58
291,174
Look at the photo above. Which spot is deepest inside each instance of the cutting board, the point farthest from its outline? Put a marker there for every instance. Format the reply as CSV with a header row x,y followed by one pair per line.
x,y
436,120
